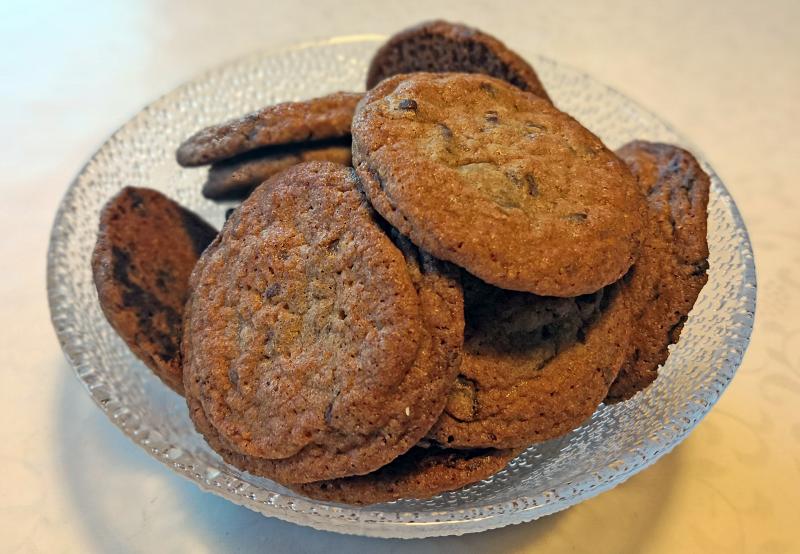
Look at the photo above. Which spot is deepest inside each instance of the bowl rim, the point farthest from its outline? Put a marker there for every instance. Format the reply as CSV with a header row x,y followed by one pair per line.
x,y
333,517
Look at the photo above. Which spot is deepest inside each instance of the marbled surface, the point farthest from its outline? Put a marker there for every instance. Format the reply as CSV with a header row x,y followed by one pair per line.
x,y
726,74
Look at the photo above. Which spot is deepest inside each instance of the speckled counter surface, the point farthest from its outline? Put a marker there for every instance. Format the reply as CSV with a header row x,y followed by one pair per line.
x,y
726,74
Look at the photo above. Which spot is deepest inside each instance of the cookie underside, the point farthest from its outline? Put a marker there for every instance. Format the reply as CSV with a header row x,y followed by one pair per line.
x,y
146,248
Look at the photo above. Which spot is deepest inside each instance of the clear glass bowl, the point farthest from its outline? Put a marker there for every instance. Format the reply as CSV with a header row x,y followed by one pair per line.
x,y
617,442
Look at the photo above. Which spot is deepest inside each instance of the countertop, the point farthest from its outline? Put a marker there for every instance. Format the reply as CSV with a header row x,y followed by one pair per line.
x,y
726,74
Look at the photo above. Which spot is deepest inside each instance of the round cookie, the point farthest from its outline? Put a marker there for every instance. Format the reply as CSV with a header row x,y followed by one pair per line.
x,y
671,270
237,177
533,368
315,350
147,246
419,473
439,46
498,181
316,119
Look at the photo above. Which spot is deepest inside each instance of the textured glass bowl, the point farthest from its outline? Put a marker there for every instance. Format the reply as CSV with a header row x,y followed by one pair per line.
x,y
617,442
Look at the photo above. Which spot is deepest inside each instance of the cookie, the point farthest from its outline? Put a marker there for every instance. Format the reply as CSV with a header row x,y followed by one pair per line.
x,y
439,46
314,347
497,181
317,119
671,271
238,176
419,473
146,248
533,368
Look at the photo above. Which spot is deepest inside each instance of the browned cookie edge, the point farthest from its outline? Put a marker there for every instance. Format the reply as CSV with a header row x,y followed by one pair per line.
x,y
237,177
671,270
289,122
420,473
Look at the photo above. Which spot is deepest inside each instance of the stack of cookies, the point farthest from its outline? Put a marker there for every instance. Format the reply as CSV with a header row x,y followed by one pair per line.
x,y
420,282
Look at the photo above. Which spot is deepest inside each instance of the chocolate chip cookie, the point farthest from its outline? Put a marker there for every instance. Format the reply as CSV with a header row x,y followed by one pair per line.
x,y
238,176
498,181
146,248
671,271
534,368
419,473
317,119
315,348
439,46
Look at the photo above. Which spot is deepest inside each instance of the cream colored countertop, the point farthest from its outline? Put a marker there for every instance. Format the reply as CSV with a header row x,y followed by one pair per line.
x,y
726,74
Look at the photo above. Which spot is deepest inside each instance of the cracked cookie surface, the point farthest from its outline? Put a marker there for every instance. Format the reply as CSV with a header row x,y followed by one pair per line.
x,y
147,246
314,348
671,270
316,119
440,46
497,181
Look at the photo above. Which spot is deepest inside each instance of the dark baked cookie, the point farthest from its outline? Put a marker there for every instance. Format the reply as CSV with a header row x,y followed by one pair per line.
x,y
146,248
238,176
534,368
498,181
316,119
439,46
671,270
315,350
419,473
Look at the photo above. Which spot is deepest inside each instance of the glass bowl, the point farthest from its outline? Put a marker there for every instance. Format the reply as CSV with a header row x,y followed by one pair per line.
x,y
617,442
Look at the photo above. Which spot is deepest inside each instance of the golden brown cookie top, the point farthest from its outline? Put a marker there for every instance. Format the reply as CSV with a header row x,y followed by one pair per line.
x,y
311,344
147,246
498,181
316,119
440,46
